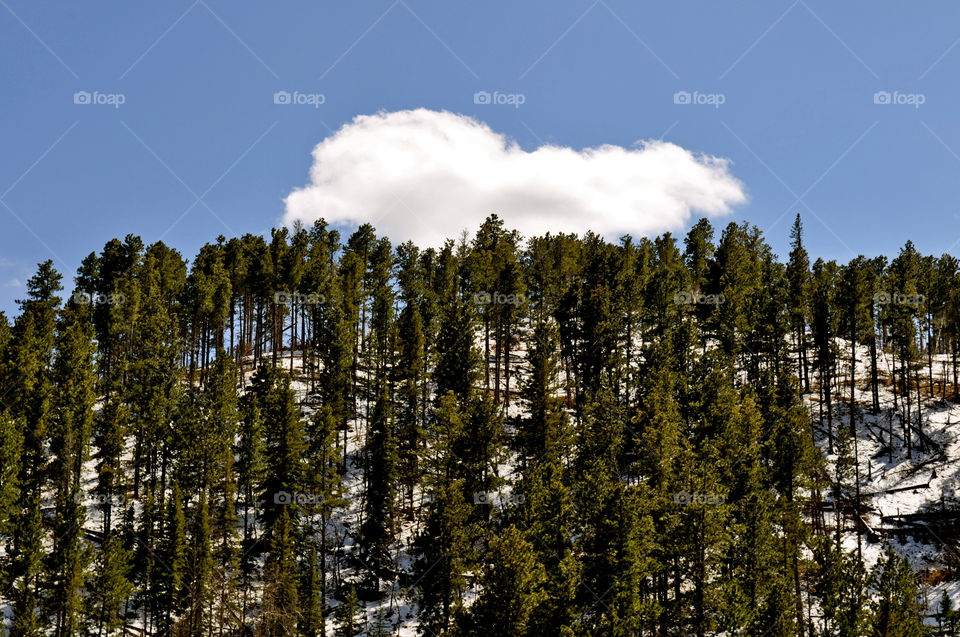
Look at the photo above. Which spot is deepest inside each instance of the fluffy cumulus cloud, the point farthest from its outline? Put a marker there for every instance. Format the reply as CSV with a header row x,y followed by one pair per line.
x,y
427,175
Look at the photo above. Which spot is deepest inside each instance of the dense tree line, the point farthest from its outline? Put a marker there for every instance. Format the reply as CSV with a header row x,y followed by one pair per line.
x,y
553,435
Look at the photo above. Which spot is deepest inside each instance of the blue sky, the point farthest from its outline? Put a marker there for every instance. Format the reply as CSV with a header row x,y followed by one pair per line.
x,y
200,148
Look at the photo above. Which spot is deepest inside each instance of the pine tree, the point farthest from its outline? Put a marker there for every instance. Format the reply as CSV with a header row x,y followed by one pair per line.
x,y
824,328
11,450
481,449
511,587
348,615
456,368
198,575
152,387
842,587
4,331
11,454
379,528
410,370
947,619
897,609
280,598
110,430
173,559
74,398
67,565
381,626
756,595
147,558
284,443
27,379
26,570
251,472
70,434
312,600
900,314
111,281
632,563
548,515
544,434
443,555
324,478
443,548
226,552
111,587
798,277
738,276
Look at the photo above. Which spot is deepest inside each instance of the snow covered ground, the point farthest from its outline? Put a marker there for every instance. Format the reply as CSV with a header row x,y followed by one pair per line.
x,y
926,482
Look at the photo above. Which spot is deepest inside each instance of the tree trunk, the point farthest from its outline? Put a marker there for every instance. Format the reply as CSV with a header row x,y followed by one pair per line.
x,y
874,381
853,431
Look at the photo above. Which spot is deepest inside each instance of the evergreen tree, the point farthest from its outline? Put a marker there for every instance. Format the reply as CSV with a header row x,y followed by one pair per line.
x,y
70,435
897,609
173,559
67,566
511,585
284,443
379,528
842,586
312,600
26,571
111,587
547,514
410,371
443,548
481,449
110,430
280,599
4,331
198,575
348,615
456,368
947,616
443,555
544,434
11,450
798,278
323,476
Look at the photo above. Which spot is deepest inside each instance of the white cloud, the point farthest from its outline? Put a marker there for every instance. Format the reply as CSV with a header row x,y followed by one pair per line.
x,y
426,175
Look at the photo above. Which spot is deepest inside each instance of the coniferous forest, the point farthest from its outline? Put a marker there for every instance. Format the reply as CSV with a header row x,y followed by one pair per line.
x,y
319,434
